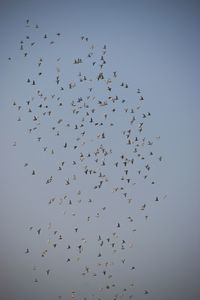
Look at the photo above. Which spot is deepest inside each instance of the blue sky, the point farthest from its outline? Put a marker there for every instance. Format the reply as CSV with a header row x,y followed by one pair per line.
x,y
153,45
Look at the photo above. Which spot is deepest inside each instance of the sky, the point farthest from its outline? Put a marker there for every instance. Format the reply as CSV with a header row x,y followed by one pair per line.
x,y
152,45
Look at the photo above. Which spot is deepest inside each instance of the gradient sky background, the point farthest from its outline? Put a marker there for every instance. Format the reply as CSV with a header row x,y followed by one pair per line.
x,y
153,45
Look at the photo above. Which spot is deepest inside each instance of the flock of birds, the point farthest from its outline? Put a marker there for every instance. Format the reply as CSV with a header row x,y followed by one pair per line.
x,y
97,138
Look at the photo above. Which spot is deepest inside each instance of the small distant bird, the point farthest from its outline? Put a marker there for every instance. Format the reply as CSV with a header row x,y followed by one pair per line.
x,y
48,271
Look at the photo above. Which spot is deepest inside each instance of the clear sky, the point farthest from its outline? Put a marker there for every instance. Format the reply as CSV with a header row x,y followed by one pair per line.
x,y
152,45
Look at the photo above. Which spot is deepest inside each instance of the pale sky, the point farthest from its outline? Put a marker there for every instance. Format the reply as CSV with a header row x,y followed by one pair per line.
x,y
152,45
